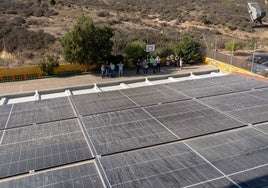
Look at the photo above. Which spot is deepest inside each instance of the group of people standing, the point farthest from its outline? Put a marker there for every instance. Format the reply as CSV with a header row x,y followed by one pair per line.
x,y
146,63
155,63
112,70
176,61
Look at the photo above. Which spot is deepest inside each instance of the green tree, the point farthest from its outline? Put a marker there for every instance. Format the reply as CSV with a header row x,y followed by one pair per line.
x,y
189,49
86,44
136,50
48,65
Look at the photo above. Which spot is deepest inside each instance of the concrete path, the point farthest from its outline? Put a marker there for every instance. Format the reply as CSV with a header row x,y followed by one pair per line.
x,y
59,82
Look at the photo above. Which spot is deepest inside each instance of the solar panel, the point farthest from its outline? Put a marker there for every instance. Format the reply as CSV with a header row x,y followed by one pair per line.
x,y
153,95
252,178
189,118
42,146
172,165
238,83
233,152
216,85
223,182
1,133
263,127
95,103
79,176
261,93
219,80
246,85
4,114
40,112
206,91
125,130
248,107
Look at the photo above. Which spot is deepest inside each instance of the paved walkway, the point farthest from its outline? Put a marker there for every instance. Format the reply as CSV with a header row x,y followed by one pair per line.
x,y
58,82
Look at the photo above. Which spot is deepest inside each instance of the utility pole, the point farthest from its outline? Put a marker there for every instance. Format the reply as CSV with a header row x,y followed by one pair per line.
x,y
231,60
253,57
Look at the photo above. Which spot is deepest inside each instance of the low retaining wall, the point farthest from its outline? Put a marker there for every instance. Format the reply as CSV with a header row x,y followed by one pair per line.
x,y
34,72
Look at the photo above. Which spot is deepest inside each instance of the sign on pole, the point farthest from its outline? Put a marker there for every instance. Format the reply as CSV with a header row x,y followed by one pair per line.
x,y
150,48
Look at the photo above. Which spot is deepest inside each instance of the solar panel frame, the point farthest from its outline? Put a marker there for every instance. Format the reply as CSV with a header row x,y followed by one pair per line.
x,y
219,183
263,128
189,119
246,106
48,110
78,176
155,94
42,146
4,114
256,177
101,102
233,152
238,83
125,130
161,166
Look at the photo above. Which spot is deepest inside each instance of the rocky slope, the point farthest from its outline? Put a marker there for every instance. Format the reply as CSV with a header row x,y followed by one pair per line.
x,y
32,29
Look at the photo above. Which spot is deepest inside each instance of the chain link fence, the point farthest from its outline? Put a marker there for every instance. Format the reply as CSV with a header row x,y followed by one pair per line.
x,y
229,59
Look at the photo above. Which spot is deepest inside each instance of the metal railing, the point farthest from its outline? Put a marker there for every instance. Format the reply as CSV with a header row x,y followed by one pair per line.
x,y
229,59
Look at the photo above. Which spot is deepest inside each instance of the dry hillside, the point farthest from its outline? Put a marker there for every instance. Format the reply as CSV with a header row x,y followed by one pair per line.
x,y
32,29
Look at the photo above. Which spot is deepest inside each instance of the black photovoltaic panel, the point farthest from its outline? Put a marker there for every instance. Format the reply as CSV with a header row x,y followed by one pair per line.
x,y
189,118
246,84
4,113
261,93
1,133
150,95
209,90
125,130
263,127
248,106
95,103
252,178
42,146
238,83
43,111
219,183
80,176
172,165
234,151
216,85
199,88
219,80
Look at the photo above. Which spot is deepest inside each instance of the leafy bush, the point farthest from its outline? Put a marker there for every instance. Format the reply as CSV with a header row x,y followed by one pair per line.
x,y
48,65
136,50
189,49
232,46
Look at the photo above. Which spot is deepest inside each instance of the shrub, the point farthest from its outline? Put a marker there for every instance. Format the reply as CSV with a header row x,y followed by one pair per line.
x,y
48,65
232,46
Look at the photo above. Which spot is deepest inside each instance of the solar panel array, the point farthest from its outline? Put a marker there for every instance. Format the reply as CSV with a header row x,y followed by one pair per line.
x,y
209,132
